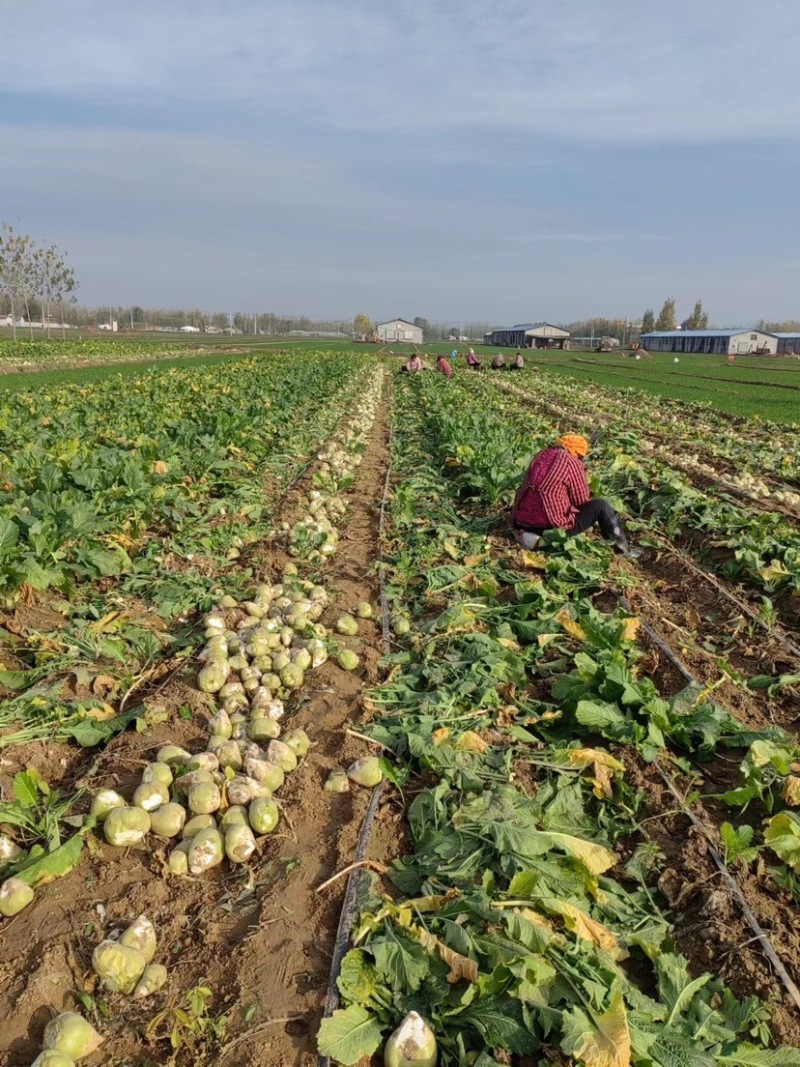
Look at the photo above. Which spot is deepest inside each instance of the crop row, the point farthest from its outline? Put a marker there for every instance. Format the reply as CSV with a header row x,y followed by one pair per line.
x,y
528,881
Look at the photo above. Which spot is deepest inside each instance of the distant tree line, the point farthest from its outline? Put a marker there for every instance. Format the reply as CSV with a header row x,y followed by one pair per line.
x,y
668,318
35,279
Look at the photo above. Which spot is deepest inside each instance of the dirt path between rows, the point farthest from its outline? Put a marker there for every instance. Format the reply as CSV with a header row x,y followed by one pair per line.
x,y
260,938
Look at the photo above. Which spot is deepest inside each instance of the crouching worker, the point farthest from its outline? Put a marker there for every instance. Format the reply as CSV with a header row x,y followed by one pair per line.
x,y
414,364
444,367
472,360
555,496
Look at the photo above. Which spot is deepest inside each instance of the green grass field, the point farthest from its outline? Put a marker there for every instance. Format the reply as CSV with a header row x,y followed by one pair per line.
x,y
762,389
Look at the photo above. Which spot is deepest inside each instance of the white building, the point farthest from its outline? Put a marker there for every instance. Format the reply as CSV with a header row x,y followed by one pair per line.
x,y
399,330
190,329
714,342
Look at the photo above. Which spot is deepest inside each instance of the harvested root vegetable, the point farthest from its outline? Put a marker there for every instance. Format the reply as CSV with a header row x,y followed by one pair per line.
x,y
126,826
269,774
151,795
154,977
235,815
11,851
337,782
119,966
229,755
292,676
51,1058
220,724
196,824
241,790
158,772
281,755
141,935
263,729
400,625
14,896
298,741
71,1035
263,815
204,798
347,625
413,1044
172,754
364,610
206,851
178,861
104,802
239,843
347,660
365,771
213,676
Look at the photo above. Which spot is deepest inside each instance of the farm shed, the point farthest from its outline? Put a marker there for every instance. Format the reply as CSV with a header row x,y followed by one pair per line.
x,y
528,335
719,342
788,343
399,330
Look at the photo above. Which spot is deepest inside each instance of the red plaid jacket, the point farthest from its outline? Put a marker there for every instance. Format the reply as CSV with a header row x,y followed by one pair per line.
x,y
555,487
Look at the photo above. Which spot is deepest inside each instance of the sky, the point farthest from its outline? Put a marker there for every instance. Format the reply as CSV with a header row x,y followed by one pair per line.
x,y
500,160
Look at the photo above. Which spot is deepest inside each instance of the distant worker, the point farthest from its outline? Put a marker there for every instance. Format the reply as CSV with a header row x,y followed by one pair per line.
x,y
415,363
444,367
731,359
454,354
518,364
473,361
471,352
555,495
499,362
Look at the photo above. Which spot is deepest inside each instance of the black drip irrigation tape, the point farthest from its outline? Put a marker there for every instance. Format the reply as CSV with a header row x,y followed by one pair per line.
x,y
730,881
347,913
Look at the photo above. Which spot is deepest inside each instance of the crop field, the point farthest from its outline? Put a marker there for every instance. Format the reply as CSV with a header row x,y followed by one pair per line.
x,y
296,741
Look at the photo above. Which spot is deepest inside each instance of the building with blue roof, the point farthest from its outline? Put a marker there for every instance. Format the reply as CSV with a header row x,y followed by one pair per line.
x,y
788,343
712,342
528,335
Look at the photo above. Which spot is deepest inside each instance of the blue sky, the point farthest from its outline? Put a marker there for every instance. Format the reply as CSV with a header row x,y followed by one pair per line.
x,y
482,159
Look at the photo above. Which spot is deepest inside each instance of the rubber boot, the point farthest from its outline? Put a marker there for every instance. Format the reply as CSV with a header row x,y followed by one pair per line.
x,y
622,548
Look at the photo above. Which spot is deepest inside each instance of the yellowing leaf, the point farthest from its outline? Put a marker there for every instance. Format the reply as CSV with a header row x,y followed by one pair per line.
x,y
472,561
791,791
569,624
460,966
509,643
604,767
585,927
440,736
469,741
451,548
774,571
596,858
101,713
630,629
598,1040
160,467
535,560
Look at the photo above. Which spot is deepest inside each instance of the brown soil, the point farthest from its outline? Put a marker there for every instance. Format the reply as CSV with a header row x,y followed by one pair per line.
x,y
261,939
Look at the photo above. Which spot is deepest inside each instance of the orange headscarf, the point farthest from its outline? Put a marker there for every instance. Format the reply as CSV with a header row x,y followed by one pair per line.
x,y
574,444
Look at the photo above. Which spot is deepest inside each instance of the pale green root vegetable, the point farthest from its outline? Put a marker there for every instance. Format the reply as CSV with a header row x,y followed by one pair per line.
x,y
154,977
215,743
241,790
157,772
186,781
220,724
169,820
204,761
400,625
301,659
172,754
14,896
260,729
347,660
269,774
178,861
298,741
239,843
337,782
126,826
213,676
204,798
279,661
413,1044
263,815
282,755
141,935
105,801
151,795
71,1035
206,851
347,625
119,966
364,610
365,771
229,755
196,824
9,850
234,816
51,1058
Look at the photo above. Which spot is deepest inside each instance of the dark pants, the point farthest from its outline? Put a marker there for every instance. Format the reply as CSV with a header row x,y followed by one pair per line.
x,y
597,511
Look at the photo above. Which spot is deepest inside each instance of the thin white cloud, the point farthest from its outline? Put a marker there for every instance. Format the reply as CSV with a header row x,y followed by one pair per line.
x,y
622,69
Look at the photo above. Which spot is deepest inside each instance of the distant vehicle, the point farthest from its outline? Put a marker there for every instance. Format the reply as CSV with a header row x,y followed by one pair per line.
x,y
190,329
